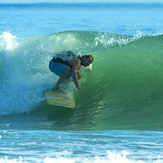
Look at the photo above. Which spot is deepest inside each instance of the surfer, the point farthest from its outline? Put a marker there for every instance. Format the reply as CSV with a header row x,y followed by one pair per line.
x,y
65,64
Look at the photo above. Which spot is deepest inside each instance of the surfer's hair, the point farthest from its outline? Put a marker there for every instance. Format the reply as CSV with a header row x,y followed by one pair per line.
x,y
88,56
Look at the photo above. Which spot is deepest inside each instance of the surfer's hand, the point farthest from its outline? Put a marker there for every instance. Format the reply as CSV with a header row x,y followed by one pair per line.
x,y
79,87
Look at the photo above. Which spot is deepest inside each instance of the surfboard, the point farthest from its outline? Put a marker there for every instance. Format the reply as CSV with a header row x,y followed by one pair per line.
x,y
59,99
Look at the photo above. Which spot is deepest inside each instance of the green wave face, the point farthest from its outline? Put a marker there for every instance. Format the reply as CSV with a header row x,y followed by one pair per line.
x,y
123,90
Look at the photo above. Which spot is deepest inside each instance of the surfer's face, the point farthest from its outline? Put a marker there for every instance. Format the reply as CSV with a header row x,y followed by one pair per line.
x,y
87,61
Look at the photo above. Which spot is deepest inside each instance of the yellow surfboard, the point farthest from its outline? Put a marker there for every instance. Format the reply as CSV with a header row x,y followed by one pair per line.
x,y
59,99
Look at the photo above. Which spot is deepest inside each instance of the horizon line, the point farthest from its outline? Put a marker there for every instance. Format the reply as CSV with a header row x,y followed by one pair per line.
x,y
136,2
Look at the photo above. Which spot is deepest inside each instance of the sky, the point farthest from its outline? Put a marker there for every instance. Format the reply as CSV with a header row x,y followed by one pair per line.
x,y
68,1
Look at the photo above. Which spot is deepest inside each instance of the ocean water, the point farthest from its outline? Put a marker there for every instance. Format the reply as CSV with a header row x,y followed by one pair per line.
x,y
119,112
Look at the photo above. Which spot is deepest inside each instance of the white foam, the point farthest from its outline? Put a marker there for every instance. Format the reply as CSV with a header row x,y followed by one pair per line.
x,y
66,157
109,40
8,41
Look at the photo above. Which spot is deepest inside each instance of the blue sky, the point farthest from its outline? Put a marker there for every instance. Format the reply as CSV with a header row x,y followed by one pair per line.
x,y
67,1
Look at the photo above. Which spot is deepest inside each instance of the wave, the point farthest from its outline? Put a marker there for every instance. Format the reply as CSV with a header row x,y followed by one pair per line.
x,y
123,90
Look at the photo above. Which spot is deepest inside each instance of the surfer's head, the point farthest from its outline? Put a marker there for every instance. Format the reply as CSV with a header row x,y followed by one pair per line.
x,y
86,60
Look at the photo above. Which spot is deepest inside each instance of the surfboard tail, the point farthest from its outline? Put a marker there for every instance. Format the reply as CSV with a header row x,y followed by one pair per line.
x,y
60,99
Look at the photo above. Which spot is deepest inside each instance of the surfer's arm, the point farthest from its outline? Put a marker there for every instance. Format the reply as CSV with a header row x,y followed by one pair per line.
x,y
79,75
75,73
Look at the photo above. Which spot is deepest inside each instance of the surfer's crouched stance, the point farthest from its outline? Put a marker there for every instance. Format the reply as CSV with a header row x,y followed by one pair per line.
x,y
65,64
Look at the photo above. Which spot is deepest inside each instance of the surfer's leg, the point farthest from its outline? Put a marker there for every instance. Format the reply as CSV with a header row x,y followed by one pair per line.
x,y
62,78
61,70
57,68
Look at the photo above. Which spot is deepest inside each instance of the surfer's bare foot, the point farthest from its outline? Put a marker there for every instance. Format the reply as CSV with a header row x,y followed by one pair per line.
x,y
57,89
